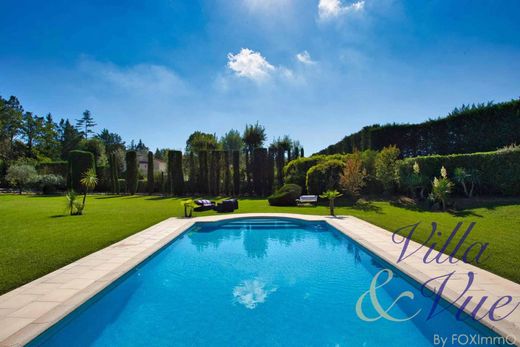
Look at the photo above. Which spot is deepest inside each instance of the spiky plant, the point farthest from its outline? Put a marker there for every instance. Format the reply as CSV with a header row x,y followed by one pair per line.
x,y
88,181
331,195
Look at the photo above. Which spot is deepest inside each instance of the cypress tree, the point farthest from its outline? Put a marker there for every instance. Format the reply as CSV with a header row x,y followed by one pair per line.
x,y
192,176
177,173
259,168
218,168
270,172
131,172
227,174
169,171
203,172
150,178
280,162
301,152
236,173
79,163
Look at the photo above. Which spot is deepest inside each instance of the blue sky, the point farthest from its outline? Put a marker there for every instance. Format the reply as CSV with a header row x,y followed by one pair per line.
x,y
314,69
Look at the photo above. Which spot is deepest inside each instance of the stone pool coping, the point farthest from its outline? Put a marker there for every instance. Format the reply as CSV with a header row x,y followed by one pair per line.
x,y
32,308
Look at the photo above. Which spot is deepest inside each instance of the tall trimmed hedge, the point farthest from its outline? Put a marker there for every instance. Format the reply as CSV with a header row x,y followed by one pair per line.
x,y
150,176
215,172
114,173
259,171
280,163
79,163
203,179
499,171
227,173
131,172
269,180
53,168
466,130
177,173
236,173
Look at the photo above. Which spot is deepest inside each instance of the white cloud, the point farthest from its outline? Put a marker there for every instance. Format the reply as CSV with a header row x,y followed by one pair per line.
x,y
251,293
305,58
250,64
334,8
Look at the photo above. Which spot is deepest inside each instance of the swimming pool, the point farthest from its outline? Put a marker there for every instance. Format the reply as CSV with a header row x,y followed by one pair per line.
x,y
253,281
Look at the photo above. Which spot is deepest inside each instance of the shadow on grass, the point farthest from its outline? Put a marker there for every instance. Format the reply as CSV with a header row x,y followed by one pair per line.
x,y
367,206
59,216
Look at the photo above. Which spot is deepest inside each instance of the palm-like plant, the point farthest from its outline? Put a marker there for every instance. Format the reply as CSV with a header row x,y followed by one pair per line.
x,y
464,177
331,195
71,201
88,181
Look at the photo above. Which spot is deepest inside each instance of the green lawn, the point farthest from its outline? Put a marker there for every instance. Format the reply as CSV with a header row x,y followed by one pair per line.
x,y
36,237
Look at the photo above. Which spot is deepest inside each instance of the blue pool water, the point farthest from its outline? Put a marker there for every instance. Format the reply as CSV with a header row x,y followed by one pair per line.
x,y
253,282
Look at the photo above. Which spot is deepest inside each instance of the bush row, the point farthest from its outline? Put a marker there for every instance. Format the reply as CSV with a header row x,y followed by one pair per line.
x,y
499,171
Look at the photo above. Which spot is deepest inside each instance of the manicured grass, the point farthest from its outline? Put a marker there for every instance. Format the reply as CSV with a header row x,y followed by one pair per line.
x,y
37,237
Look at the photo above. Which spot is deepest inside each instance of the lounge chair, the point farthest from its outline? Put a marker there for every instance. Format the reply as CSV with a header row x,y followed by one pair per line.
x,y
229,205
204,205
307,199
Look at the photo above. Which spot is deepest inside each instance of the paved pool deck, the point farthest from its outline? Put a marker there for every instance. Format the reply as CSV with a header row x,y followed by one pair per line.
x,y
30,309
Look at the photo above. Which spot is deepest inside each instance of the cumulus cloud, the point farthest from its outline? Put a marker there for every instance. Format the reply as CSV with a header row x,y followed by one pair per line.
x,y
334,8
250,293
250,64
305,58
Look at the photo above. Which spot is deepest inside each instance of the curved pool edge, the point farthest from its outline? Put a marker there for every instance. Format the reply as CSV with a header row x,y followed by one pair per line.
x,y
29,310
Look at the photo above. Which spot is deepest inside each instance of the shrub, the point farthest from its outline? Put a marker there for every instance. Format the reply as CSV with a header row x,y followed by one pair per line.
x,y
386,167
286,195
441,188
50,184
324,176
352,179
79,163
131,172
53,168
121,184
499,171
467,177
414,180
21,175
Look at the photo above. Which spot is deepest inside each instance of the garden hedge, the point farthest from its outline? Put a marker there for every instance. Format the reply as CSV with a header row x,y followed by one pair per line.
x,y
469,129
131,172
79,163
285,196
499,170
53,168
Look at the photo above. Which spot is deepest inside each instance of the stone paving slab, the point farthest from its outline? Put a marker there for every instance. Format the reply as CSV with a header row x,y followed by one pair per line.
x,y
32,308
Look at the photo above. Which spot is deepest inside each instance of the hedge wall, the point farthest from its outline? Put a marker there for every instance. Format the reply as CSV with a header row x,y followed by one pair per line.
x,y
79,163
466,130
53,168
499,170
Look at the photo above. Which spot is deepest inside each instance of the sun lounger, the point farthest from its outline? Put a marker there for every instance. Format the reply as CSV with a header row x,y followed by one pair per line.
x,y
204,205
307,199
